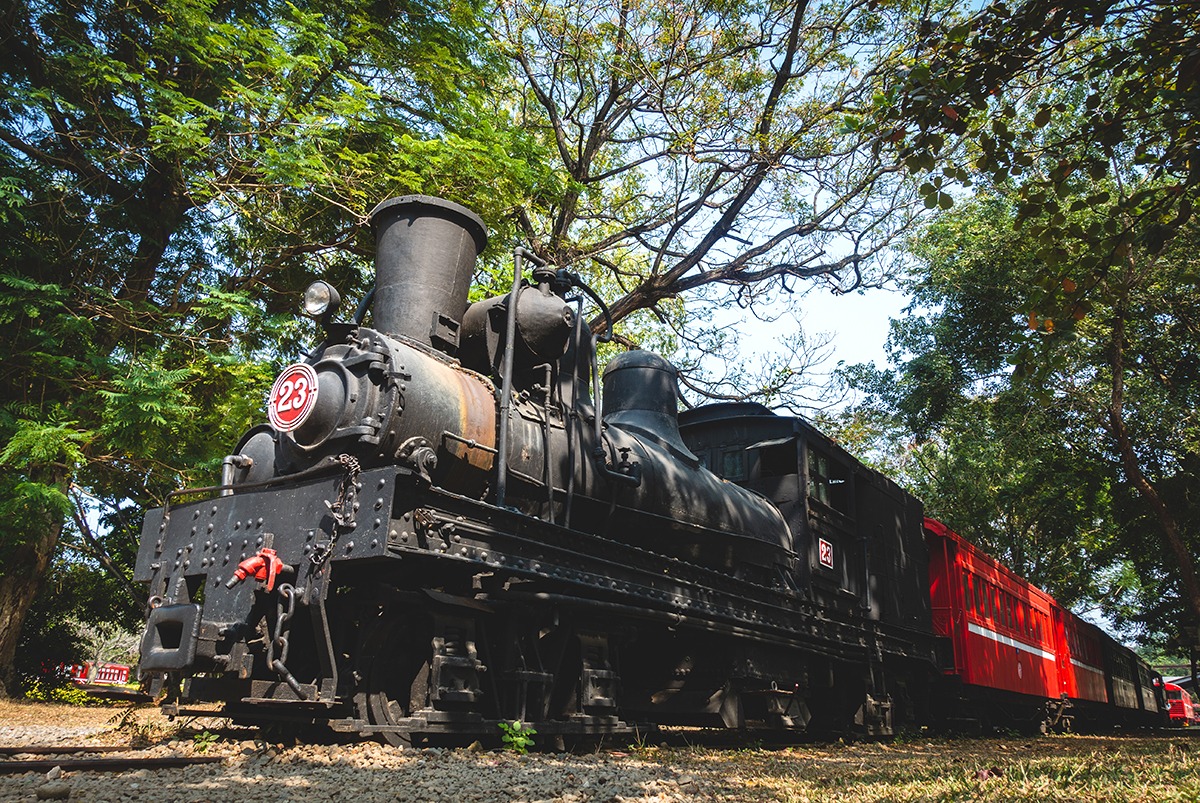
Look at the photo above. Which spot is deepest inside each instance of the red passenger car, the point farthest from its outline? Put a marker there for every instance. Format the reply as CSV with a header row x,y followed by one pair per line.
x,y
1002,630
1022,660
106,674
1081,660
1180,709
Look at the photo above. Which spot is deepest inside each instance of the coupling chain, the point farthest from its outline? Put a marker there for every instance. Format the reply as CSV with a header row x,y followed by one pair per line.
x,y
285,608
343,508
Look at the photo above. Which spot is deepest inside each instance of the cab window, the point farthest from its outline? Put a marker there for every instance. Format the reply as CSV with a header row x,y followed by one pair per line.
x,y
777,460
733,465
828,483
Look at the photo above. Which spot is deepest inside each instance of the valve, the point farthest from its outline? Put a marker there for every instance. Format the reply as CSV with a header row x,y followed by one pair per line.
x,y
264,567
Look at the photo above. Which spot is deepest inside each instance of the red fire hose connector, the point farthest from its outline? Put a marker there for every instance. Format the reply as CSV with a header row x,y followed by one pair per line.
x,y
264,567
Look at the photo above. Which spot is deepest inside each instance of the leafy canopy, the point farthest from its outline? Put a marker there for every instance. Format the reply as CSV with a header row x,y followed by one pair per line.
x,y
171,173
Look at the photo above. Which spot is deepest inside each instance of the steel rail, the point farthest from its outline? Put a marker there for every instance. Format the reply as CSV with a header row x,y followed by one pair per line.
x,y
62,749
105,764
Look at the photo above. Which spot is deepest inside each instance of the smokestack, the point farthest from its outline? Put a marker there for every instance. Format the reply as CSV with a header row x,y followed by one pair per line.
x,y
425,251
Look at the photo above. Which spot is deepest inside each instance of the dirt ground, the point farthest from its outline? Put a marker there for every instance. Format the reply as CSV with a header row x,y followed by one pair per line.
x,y
1156,766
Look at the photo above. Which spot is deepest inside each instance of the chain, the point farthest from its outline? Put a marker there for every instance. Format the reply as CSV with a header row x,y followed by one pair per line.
x,y
343,508
285,608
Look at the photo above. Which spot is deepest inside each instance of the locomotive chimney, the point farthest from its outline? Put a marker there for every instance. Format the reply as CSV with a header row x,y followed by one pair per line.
x,y
425,251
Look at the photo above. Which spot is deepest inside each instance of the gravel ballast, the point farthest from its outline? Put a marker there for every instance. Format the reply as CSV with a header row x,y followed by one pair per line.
x,y
1153,767
365,772
370,773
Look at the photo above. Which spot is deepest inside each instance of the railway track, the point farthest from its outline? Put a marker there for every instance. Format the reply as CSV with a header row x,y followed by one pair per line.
x,y
60,750
90,758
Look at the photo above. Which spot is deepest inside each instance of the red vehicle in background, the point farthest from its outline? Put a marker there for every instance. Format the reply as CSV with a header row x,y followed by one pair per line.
x,y
106,674
1180,708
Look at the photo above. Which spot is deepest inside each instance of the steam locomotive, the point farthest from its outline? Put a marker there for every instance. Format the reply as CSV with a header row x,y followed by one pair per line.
x,y
452,520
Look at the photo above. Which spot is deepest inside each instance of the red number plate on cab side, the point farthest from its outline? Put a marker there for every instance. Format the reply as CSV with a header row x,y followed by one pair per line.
x,y
293,397
825,553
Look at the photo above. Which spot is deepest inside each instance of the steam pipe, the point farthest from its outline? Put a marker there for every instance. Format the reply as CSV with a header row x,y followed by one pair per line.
x,y
363,306
510,335
547,458
573,411
510,332
228,464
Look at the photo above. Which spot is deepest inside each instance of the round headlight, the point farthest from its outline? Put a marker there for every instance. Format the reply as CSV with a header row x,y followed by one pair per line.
x,y
321,300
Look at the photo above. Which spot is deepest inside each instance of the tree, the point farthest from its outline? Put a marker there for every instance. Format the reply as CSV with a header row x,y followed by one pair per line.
x,y
1123,367
1003,470
170,172
1085,116
710,149
1054,98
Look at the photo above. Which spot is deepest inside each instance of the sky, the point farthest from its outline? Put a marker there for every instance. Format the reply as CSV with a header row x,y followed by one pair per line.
x,y
858,322
855,325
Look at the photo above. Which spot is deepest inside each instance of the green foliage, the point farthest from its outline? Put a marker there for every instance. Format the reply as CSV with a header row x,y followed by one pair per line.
x,y
1055,99
42,691
171,172
1019,417
35,443
517,736
204,740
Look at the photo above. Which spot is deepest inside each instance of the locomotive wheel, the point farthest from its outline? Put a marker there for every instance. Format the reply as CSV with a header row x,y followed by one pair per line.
x,y
394,667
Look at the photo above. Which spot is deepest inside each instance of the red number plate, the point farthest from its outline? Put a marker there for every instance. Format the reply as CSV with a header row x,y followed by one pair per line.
x,y
293,397
826,553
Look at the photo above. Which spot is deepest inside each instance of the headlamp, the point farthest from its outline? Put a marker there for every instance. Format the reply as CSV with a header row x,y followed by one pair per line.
x,y
321,300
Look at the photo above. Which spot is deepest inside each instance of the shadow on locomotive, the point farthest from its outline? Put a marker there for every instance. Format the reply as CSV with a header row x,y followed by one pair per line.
x,y
451,521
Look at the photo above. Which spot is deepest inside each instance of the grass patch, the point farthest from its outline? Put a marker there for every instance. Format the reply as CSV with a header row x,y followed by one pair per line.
x,y
1056,768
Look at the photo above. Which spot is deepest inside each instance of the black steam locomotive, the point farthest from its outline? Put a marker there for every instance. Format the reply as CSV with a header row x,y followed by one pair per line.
x,y
449,523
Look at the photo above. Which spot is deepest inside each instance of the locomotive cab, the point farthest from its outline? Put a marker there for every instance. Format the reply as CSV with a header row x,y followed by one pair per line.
x,y
858,534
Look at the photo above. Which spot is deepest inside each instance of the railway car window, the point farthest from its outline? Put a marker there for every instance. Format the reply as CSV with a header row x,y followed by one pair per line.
x,y
778,460
818,470
828,482
966,595
733,465
979,598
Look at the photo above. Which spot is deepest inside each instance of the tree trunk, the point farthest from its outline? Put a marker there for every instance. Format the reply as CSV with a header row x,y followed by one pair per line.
x,y
1169,528
24,568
